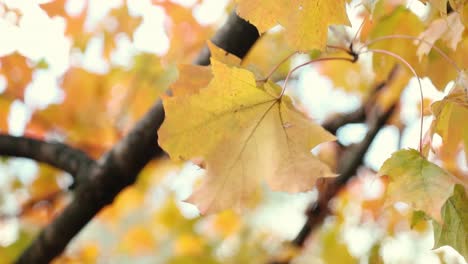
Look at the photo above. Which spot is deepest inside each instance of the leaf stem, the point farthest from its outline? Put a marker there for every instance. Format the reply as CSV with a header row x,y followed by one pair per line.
x,y
338,48
398,57
352,60
437,49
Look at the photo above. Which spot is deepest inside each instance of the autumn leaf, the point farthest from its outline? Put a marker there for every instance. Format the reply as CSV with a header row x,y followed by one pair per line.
x,y
454,229
17,72
137,241
222,55
4,112
191,79
186,35
334,250
74,22
306,22
417,182
83,115
449,29
400,22
450,119
244,133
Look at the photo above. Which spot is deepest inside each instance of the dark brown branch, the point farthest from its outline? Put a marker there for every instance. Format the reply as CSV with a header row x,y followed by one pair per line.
x,y
58,155
349,162
121,165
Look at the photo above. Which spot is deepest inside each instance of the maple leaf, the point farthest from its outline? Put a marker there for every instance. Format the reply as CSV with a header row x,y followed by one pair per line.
x,y
191,79
450,119
416,181
449,29
186,35
243,133
454,229
74,22
17,72
400,22
306,22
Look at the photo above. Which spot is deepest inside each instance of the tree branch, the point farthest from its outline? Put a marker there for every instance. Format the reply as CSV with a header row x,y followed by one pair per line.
x,y
350,159
58,155
349,162
121,165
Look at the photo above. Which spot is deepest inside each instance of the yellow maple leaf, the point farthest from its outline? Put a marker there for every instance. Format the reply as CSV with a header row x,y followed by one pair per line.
x,y
189,244
306,22
417,182
243,133
400,22
191,79
450,119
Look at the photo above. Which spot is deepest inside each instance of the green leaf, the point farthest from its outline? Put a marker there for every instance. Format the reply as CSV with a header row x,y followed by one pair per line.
x,y
454,230
417,182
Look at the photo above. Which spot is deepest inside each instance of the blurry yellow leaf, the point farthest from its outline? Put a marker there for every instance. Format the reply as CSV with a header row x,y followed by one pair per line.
x,y
333,250
45,182
191,79
125,203
227,223
83,115
306,22
138,241
154,172
8,254
74,23
87,254
401,22
417,182
449,29
454,229
4,112
450,119
185,34
188,244
17,72
244,133
170,218
393,88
